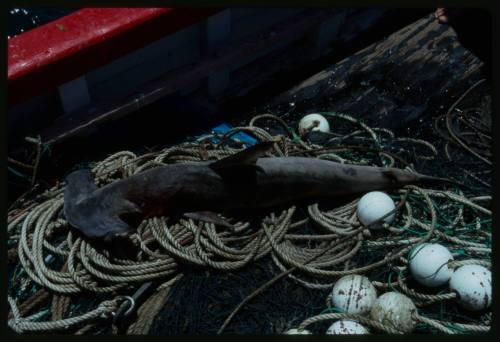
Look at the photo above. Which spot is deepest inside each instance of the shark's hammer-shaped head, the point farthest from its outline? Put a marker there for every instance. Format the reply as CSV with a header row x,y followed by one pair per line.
x,y
92,215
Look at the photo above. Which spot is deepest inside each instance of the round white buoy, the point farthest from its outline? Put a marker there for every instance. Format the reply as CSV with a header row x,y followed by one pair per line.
x,y
395,310
373,206
472,283
428,264
313,122
354,294
346,327
294,331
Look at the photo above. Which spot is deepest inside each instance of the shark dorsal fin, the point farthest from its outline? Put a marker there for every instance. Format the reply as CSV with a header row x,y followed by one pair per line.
x,y
245,159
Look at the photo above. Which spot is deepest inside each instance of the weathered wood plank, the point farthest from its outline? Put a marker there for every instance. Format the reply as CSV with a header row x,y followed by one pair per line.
x,y
395,79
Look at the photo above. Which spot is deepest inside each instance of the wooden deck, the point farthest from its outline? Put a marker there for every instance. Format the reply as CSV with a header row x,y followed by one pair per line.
x,y
415,72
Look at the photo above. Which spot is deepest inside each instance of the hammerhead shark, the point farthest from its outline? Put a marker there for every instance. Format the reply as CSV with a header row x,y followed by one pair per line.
x,y
245,180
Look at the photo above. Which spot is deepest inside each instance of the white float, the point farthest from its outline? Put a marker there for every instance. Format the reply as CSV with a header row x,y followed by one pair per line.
x,y
354,294
428,264
294,331
472,283
372,206
313,122
396,310
346,327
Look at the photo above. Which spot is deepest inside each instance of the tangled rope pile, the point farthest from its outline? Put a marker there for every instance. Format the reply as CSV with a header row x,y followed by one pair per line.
x,y
468,131
58,270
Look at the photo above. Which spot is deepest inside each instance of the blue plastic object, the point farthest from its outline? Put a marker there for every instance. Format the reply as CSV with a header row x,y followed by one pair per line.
x,y
240,136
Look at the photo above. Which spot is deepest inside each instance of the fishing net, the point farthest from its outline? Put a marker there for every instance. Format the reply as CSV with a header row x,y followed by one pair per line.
x,y
275,271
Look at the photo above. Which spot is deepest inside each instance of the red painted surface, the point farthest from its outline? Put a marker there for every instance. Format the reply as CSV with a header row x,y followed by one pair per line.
x,y
64,49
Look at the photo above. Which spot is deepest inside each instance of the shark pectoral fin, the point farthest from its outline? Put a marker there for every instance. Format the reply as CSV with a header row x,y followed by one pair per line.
x,y
208,216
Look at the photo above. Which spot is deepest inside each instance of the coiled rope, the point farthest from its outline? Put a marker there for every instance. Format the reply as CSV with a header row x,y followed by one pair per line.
x,y
314,247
